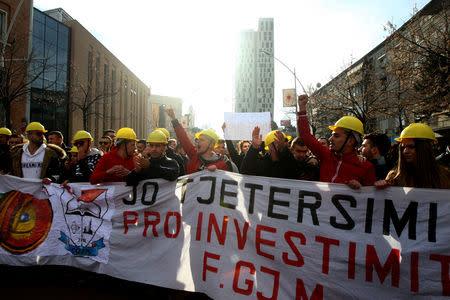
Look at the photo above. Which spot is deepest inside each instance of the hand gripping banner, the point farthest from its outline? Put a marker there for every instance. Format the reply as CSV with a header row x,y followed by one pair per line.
x,y
230,235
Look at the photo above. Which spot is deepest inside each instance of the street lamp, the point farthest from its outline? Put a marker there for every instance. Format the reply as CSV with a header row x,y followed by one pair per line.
x,y
292,72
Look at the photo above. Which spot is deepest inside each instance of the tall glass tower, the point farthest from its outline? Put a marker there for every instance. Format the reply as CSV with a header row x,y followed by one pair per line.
x,y
254,86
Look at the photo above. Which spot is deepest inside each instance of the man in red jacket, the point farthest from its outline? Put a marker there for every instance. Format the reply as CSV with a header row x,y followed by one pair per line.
x,y
339,162
118,162
203,156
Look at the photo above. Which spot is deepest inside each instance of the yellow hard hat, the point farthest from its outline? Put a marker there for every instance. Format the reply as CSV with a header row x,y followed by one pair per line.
x,y
157,136
35,126
74,149
126,133
417,131
270,138
165,131
81,134
349,122
209,133
5,131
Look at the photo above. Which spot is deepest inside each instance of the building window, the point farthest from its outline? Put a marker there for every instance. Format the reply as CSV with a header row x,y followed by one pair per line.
x,y
3,26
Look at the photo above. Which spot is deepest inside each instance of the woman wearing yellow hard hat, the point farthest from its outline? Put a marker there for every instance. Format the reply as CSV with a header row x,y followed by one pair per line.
x,y
417,166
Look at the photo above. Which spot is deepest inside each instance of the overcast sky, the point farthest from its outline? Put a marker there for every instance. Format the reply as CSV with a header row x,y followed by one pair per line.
x,y
187,49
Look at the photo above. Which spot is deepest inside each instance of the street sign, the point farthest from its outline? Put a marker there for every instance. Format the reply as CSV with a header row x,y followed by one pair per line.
x,y
289,98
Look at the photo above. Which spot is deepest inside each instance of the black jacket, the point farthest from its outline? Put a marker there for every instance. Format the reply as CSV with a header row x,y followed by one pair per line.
x,y
170,153
163,167
235,157
307,170
261,165
5,159
82,170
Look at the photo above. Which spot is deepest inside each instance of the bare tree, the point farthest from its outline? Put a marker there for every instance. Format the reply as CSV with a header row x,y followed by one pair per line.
x,y
87,98
356,91
17,76
422,47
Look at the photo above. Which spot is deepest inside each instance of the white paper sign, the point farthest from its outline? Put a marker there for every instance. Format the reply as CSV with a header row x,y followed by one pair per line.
x,y
239,126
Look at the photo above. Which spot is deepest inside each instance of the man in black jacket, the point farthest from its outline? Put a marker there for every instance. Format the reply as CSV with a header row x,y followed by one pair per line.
x,y
154,162
87,159
170,152
307,164
278,161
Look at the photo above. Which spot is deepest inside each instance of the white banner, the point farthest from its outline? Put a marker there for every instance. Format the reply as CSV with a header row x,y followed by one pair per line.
x,y
239,126
230,235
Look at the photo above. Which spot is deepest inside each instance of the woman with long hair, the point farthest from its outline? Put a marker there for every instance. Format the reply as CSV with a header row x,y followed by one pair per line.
x,y
417,166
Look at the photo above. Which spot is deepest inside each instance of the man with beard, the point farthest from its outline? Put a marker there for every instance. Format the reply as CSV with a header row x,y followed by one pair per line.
x,y
36,159
339,163
153,163
202,156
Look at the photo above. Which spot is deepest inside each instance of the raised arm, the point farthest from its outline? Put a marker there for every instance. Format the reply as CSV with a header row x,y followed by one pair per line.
x,y
182,136
304,132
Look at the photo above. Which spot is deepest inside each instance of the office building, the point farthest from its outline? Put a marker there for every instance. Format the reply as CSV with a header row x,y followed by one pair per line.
x,y
254,85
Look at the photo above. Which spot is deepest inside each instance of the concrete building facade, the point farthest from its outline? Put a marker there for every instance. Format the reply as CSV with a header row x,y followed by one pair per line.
x,y
104,93
254,79
381,87
71,81
15,53
159,117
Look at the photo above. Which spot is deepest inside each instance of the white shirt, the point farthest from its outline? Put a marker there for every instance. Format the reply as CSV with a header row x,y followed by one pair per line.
x,y
32,163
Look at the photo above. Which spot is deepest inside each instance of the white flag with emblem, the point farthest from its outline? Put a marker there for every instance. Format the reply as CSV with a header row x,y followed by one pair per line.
x,y
289,98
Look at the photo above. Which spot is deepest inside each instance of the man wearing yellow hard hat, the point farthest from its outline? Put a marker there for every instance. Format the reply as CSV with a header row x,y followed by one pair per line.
x,y
417,165
35,159
154,162
170,151
203,156
87,158
5,160
339,162
277,161
118,162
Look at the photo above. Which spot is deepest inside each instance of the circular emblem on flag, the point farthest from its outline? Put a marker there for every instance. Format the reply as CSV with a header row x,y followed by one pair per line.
x,y
24,222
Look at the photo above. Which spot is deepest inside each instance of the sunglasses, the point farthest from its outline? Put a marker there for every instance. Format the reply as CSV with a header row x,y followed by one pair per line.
x,y
79,143
39,133
104,143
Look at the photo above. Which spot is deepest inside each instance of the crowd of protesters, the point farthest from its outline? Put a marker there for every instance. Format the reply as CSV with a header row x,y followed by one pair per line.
x,y
350,156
